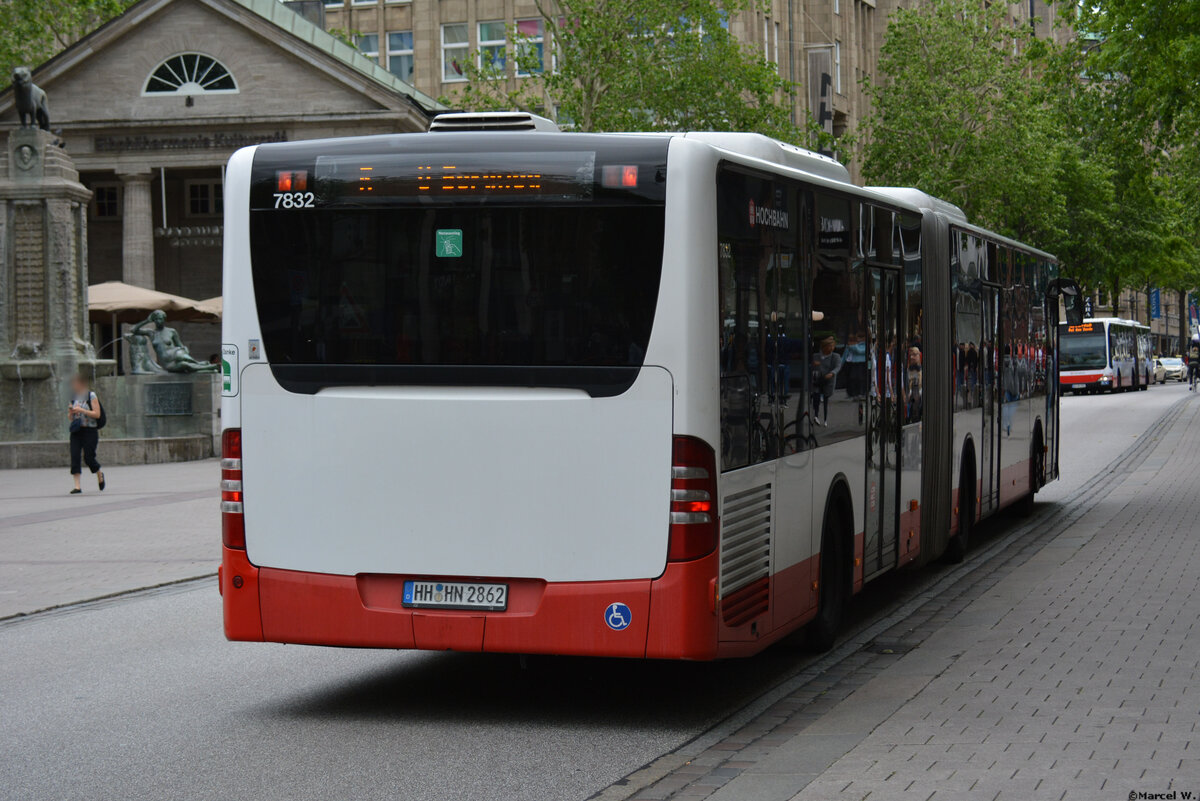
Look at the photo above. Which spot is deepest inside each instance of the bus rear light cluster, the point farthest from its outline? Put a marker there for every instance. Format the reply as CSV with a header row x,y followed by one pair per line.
x,y
693,500
233,525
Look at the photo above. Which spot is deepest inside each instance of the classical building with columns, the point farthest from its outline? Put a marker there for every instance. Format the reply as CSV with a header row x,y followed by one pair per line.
x,y
151,105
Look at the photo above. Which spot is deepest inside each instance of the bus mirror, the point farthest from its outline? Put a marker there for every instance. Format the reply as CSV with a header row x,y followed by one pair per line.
x,y
1072,298
1074,307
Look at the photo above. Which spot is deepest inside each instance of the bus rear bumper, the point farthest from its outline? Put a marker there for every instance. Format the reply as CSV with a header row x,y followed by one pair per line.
x,y
1094,381
672,616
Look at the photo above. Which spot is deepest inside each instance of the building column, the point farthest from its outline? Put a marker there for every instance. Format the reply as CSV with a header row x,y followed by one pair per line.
x,y
137,235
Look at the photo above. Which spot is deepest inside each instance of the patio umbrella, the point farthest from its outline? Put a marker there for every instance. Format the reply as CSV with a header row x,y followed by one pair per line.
x,y
118,302
214,306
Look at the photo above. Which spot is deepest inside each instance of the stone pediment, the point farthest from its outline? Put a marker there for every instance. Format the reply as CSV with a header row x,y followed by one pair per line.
x,y
281,67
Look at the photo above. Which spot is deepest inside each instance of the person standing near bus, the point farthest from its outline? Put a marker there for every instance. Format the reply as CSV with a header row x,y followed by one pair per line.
x,y
84,416
1193,364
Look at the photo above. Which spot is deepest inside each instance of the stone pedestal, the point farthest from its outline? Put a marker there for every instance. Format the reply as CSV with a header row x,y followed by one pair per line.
x,y
43,286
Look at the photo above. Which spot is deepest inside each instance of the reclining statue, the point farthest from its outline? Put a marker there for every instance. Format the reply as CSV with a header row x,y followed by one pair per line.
x,y
173,356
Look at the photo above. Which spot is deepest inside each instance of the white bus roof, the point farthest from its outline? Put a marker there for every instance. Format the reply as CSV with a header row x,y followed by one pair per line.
x,y
1111,320
927,202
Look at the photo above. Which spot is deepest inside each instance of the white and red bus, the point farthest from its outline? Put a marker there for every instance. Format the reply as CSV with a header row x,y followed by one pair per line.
x,y
668,396
1105,354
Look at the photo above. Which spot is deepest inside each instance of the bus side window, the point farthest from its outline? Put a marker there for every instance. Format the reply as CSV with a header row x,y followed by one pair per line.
x,y
970,350
838,367
912,357
760,306
736,379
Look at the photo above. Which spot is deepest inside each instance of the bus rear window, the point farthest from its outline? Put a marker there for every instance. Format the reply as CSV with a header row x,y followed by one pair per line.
x,y
480,295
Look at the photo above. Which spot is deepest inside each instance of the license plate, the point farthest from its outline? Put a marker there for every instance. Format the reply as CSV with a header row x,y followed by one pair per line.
x,y
455,595
1079,386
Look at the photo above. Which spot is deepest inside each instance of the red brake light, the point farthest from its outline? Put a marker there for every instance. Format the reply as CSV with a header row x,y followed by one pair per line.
x,y
291,180
618,176
233,526
694,522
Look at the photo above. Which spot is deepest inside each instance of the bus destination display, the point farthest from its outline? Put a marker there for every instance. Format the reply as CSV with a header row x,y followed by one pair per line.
x,y
566,176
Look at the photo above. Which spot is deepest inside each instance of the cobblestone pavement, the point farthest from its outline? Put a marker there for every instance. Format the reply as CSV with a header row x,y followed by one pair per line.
x,y
1045,667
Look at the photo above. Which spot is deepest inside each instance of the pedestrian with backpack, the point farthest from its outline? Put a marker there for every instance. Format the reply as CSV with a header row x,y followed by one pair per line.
x,y
86,417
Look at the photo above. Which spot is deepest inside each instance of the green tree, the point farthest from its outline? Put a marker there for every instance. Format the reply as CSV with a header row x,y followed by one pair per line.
x,y
1150,52
32,31
958,115
1151,233
638,65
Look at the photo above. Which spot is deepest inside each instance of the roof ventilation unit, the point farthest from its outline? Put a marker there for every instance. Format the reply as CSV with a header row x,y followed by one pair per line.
x,y
492,121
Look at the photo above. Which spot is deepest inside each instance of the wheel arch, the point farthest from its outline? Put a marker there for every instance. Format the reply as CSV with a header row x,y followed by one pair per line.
x,y
968,449
839,498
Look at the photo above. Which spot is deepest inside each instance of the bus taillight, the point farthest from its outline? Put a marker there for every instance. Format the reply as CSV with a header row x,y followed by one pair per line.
x,y
233,526
693,500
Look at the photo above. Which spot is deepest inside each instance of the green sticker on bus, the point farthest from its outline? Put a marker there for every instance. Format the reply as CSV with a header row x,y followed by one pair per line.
x,y
449,243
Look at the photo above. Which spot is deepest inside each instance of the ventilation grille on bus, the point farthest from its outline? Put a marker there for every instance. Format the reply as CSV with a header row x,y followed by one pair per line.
x,y
745,554
491,121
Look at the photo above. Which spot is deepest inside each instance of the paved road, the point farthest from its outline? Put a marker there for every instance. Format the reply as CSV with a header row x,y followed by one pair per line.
x,y
152,524
1098,427
140,697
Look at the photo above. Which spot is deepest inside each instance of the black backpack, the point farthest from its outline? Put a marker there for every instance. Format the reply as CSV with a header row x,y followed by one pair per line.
x,y
102,420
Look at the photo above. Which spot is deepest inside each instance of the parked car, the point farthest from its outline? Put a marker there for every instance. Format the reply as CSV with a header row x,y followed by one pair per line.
x,y
1169,367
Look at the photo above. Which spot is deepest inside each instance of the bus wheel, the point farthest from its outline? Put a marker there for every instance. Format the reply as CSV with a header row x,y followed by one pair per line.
x,y
956,549
1037,469
834,587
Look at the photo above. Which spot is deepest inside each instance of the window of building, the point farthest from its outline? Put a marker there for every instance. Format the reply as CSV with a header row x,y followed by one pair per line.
x,y
766,39
334,3
775,46
106,201
532,54
204,198
492,45
837,6
190,74
837,66
364,2
454,51
368,43
400,54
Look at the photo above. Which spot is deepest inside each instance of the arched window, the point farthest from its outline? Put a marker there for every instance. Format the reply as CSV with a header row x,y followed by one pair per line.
x,y
190,74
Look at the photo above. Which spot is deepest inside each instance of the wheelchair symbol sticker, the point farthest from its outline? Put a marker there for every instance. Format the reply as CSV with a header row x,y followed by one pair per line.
x,y
618,616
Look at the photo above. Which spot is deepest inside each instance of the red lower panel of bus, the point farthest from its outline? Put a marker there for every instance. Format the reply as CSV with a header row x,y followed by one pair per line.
x,y
672,617
1082,378
1014,482
767,610
1014,485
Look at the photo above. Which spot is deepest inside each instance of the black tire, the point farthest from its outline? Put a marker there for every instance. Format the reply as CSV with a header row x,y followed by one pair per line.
x,y
1037,469
956,549
834,589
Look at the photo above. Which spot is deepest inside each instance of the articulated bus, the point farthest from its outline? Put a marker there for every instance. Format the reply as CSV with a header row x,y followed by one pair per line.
x,y
510,389
1105,354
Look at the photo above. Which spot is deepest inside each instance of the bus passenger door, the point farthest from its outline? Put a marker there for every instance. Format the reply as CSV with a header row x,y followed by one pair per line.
x,y
992,400
883,422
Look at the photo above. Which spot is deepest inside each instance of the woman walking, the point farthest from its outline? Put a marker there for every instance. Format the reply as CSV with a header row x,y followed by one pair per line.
x,y
84,416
